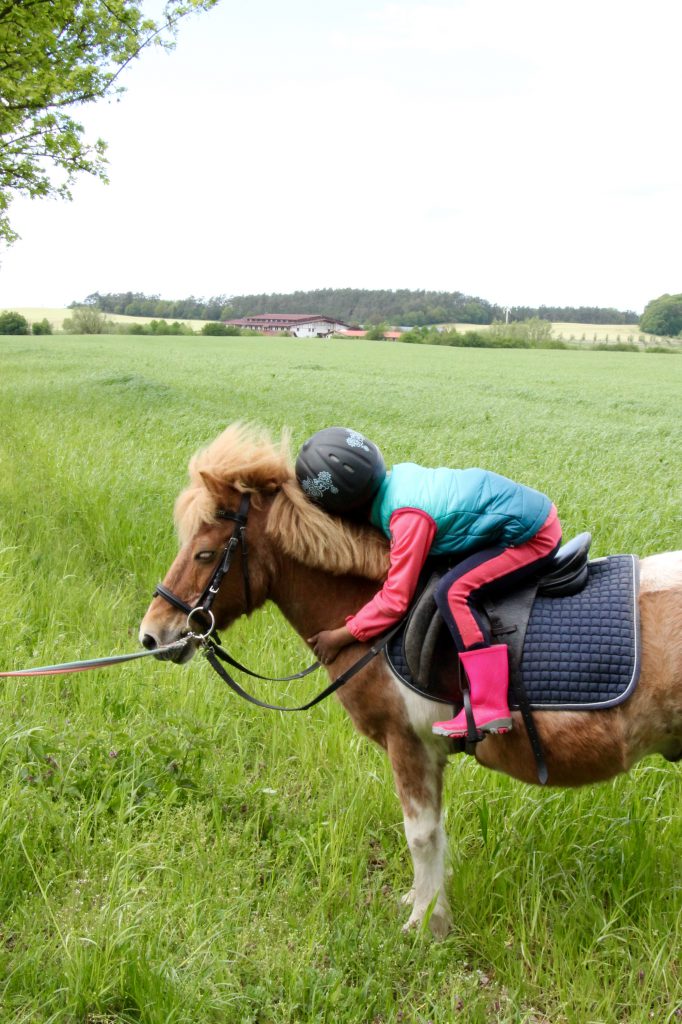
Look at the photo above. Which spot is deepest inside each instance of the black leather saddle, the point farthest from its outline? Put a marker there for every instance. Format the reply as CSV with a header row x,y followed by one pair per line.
x,y
567,572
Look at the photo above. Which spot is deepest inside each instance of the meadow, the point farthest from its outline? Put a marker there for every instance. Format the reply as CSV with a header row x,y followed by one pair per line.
x,y
171,856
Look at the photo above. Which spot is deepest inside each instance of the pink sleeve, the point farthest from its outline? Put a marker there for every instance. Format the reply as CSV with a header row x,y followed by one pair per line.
x,y
412,533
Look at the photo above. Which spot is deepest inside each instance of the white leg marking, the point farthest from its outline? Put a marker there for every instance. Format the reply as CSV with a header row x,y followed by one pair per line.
x,y
423,826
426,840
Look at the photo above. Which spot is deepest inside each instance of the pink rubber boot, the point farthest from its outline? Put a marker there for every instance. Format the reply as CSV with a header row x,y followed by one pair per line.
x,y
487,670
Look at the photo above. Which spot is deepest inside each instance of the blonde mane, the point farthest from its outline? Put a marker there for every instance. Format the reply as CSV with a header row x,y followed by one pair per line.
x,y
245,459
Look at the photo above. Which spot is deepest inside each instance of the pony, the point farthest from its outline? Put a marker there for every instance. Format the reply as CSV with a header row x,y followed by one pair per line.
x,y
318,569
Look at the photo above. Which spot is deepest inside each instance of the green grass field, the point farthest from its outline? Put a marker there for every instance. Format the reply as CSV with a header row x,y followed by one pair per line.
x,y
169,856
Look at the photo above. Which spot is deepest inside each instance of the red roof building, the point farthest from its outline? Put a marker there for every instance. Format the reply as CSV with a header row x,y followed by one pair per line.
x,y
301,325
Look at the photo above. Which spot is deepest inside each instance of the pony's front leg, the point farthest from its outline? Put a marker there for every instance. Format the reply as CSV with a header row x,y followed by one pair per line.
x,y
418,772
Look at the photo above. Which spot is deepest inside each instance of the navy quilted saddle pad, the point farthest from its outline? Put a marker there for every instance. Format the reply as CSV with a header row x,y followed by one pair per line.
x,y
583,651
580,652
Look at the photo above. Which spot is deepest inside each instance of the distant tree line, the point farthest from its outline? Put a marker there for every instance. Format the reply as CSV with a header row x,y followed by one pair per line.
x,y
373,306
137,304
353,306
575,314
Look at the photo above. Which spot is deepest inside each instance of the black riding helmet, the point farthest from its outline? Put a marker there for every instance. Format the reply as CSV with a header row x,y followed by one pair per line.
x,y
340,469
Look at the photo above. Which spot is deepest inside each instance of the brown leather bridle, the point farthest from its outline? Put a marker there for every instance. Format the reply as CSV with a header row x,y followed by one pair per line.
x,y
210,642
203,606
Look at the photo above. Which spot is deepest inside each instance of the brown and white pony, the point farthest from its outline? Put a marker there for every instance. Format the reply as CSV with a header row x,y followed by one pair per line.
x,y
319,569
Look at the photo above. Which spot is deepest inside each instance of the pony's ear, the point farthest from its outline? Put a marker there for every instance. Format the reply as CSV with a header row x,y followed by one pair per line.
x,y
216,487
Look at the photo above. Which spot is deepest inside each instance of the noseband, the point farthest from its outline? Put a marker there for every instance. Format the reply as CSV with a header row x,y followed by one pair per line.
x,y
208,596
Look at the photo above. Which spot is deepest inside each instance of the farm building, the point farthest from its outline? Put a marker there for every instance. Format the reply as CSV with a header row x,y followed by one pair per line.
x,y
301,325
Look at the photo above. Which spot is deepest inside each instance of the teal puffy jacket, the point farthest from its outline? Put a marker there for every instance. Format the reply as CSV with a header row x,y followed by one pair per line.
x,y
472,508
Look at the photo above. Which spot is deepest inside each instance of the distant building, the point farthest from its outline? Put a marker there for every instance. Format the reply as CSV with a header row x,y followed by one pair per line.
x,y
301,325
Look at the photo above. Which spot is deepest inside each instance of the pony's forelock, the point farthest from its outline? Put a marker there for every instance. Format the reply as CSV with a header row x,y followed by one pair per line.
x,y
245,459
195,507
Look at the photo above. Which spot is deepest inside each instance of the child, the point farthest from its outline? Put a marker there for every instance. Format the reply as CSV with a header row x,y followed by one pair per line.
x,y
502,530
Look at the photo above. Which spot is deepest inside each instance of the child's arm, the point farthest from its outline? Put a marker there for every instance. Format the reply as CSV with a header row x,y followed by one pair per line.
x,y
412,533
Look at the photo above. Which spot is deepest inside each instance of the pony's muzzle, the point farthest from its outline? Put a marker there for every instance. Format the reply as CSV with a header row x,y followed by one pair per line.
x,y
154,639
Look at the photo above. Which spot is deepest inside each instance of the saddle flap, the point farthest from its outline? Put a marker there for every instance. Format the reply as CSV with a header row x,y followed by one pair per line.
x,y
423,625
435,632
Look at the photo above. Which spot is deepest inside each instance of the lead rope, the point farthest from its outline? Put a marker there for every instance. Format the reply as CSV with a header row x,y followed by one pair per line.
x,y
68,667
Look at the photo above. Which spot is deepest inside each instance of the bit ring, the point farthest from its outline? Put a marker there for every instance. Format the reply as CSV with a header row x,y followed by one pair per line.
x,y
200,637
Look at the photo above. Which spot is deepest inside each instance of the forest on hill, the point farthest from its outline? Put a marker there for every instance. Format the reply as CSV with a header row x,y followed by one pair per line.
x,y
354,306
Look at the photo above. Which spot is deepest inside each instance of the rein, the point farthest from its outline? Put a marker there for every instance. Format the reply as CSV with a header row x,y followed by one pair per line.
x,y
215,653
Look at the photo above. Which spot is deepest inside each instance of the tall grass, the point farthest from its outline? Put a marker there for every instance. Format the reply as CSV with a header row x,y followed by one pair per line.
x,y
168,855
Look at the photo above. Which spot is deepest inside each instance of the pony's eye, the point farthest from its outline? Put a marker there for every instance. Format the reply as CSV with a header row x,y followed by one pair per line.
x,y
205,556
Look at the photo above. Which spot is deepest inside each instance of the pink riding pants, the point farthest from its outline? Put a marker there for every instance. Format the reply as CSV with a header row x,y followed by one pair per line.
x,y
497,567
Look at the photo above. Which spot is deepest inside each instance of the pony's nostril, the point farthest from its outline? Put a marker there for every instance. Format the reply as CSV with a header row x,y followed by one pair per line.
x,y
149,642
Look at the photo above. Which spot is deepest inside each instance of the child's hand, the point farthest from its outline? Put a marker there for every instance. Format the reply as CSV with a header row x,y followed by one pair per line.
x,y
328,642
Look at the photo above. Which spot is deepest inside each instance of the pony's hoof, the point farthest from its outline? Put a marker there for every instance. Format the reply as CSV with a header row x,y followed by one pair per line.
x,y
440,922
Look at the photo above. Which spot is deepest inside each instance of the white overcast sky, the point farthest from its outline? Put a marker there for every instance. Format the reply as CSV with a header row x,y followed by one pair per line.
x,y
526,151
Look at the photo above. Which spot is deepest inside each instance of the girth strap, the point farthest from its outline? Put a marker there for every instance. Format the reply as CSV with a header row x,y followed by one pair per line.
x,y
519,689
518,608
